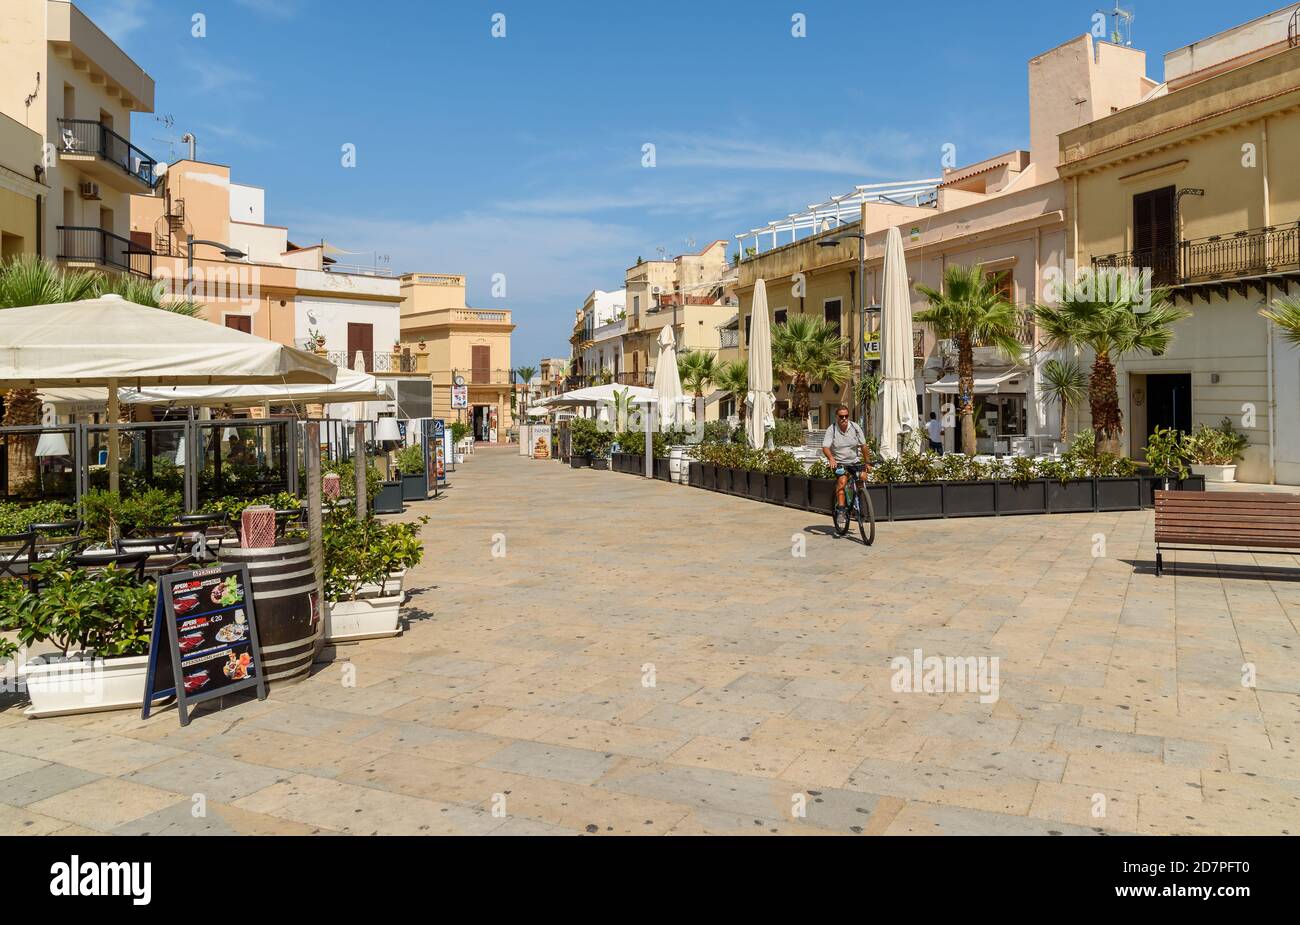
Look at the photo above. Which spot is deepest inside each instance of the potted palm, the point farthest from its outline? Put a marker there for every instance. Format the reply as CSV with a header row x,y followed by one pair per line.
x,y
1065,386
100,623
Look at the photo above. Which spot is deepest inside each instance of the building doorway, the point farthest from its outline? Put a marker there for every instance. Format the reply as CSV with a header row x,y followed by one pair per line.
x,y
1169,402
485,422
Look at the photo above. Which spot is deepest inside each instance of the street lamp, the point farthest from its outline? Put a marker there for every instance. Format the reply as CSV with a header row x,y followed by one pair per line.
x,y
862,305
230,253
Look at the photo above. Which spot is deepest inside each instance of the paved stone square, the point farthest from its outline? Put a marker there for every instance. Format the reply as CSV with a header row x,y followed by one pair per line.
x,y
653,659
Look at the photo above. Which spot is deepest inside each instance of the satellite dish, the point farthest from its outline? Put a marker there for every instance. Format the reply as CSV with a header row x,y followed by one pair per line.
x,y
159,168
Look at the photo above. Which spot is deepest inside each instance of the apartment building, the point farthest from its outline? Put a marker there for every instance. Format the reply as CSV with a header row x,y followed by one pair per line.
x,y
22,189
65,80
597,338
468,349
1198,183
1005,214
692,292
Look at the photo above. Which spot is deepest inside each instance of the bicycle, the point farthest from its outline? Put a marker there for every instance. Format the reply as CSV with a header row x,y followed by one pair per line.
x,y
857,506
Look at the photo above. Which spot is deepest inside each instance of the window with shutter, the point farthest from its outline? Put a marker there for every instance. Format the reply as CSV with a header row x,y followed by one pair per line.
x,y
240,323
481,363
361,337
1155,235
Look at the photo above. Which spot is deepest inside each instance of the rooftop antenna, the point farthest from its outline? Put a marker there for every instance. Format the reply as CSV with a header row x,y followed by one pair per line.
x,y
1121,31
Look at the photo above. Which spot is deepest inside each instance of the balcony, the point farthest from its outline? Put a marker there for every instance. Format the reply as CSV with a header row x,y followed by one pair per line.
x,y
729,337
95,247
1219,264
643,379
381,363
102,153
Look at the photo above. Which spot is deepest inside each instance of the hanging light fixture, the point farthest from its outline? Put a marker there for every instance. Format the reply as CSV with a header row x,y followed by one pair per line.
x,y
53,444
387,429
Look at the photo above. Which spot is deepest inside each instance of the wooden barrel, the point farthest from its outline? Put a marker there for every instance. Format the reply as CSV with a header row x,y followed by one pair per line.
x,y
290,623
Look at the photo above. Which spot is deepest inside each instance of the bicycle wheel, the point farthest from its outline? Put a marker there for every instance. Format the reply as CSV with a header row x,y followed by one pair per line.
x,y
866,517
841,518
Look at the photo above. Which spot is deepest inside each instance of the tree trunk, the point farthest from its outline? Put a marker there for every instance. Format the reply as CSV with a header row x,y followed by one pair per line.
x,y
1065,422
22,407
1103,401
966,393
801,399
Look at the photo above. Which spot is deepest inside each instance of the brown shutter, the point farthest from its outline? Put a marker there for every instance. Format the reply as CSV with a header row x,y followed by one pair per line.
x,y
1155,237
481,361
240,323
361,337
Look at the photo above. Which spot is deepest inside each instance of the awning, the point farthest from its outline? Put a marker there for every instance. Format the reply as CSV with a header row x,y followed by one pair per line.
x,y
1011,381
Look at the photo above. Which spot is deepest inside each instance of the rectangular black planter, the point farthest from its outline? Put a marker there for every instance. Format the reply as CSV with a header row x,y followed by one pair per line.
x,y
1074,497
775,485
662,471
821,495
708,476
970,499
757,485
796,491
389,499
1119,494
879,495
579,462
915,500
695,474
616,462
1153,483
600,462
1023,497
414,486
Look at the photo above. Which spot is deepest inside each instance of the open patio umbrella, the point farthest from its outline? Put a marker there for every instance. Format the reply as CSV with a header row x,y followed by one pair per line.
x,y
898,391
349,386
760,401
668,381
111,342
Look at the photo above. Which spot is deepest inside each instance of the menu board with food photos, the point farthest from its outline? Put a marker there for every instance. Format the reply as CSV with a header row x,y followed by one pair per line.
x,y
204,641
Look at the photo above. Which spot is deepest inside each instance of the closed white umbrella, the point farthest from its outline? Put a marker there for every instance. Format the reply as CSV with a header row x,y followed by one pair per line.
x,y
109,342
898,392
760,400
668,381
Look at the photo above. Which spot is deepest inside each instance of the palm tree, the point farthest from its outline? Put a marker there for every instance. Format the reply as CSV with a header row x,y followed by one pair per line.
x,y
525,374
1064,384
698,370
1285,313
970,311
30,280
866,392
733,378
808,350
1101,312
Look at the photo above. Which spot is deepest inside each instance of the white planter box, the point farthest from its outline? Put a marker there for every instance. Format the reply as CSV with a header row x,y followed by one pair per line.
x,y
75,686
392,586
1215,473
364,618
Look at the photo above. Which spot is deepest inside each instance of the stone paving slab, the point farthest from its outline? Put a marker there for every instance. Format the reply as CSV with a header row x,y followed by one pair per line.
x,y
652,659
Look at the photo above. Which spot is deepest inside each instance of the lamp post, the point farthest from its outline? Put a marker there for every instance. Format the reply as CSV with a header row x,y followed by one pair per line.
x,y
862,304
231,253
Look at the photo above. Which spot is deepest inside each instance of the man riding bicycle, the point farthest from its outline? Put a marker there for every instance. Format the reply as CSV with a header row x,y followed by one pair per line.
x,y
845,448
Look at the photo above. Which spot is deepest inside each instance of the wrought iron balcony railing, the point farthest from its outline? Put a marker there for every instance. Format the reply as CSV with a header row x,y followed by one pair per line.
x,y
86,136
1217,258
378,362
95,245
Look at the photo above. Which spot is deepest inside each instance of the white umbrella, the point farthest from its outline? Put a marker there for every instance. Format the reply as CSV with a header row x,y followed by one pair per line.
x,y
348,386
668,381
760,401
109,342
898,392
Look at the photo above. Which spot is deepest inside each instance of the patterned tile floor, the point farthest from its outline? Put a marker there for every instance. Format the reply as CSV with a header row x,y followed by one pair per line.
x,y
639,657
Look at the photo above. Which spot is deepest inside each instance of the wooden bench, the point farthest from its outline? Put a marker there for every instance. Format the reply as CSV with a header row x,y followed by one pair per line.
x,y
1253,520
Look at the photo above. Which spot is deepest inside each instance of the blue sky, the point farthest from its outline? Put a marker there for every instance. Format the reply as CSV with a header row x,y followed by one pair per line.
x,y
522,155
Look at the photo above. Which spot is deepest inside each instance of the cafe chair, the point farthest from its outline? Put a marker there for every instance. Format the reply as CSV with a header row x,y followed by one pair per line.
x,y
17,555
133,561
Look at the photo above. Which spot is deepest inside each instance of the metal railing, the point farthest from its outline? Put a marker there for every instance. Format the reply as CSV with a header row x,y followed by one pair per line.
x,y
86,136
96,245
1253,252
357,269
375,361
729,337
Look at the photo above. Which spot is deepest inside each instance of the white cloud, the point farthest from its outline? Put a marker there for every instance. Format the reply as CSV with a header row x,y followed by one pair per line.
x,y
120,18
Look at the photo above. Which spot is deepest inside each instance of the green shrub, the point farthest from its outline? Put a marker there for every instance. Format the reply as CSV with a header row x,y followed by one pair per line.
x,y
583,437
410,459
1166,453
16,518
366,550
787,432
781,462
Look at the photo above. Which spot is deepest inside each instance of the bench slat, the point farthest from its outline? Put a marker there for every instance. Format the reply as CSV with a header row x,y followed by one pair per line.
x,y
1274,497
1251,542
1225,517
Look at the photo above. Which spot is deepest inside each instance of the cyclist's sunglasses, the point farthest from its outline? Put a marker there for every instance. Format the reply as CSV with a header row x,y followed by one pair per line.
x,y
842,417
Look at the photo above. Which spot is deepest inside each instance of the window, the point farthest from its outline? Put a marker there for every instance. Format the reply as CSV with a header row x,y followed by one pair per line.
x,y
779,316
636,305
361,338
240,323
1154,234
748,319
1003,285
69,102
832,312
481,363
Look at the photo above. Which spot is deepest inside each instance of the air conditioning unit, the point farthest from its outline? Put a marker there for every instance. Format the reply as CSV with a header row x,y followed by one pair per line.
x,y
89,189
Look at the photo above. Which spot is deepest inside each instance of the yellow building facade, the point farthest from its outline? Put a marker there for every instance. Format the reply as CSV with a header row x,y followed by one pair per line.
x,y
21,189
464,344
1198,183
